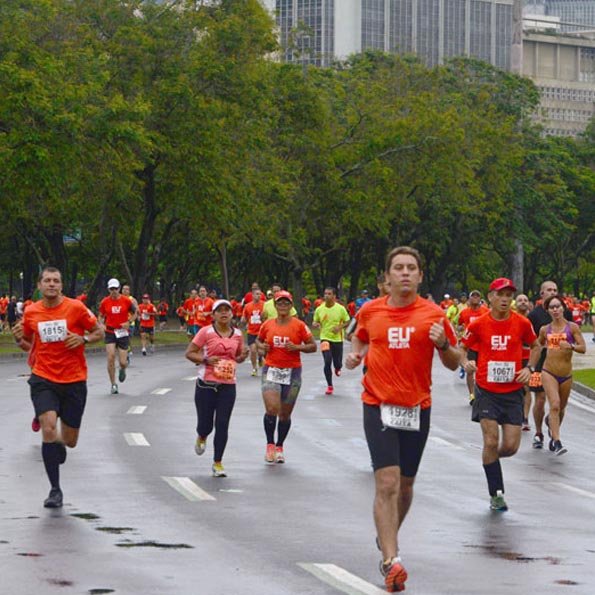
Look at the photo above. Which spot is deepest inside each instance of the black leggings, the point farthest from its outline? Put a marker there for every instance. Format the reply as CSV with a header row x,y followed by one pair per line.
x,y
333,355
213,407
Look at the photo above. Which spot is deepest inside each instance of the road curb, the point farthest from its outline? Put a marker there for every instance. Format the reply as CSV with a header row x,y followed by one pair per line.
x,y
581,389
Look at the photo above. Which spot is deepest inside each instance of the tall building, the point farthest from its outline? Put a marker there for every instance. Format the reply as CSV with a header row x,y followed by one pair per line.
x,y
572,12
317,31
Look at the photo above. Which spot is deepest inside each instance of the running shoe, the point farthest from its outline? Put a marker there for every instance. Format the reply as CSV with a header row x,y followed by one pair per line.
x,y
144,352
279,456
54,500
200,446
269,457
538,441
338,372
526,427
260,361
471,398
114,389
461,372
254,372
551,445
559,449
547,424
122,374
329,391
218,470
394,575
497,502
35,425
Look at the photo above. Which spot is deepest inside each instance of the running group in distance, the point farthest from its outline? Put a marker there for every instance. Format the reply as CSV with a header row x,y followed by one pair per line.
x,y
507,349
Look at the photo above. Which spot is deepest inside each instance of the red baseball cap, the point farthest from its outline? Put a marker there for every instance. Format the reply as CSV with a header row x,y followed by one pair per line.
x,y
283,295
146,296
502,283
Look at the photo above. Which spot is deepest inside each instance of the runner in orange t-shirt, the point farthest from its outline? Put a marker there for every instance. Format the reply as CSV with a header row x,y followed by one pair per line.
x,y
252,318
500,375
400,334
203,308
162,310
57,325
116,311
190,313
281,339
147,313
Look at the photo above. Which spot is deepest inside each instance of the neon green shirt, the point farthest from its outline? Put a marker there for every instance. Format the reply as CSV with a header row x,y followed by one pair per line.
x,y
330,317
269,311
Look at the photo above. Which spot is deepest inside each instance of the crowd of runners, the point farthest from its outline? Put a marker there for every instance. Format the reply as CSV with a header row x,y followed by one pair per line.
x,y
514,355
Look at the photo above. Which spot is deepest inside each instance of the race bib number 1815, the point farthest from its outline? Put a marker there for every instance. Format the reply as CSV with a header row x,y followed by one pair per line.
x,y
52,331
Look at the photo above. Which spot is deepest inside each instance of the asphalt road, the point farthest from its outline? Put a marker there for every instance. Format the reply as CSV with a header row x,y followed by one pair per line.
x,y
143,516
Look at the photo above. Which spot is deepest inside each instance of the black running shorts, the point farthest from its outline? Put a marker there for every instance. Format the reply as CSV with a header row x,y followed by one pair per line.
x,y
67,400
389,447
505,408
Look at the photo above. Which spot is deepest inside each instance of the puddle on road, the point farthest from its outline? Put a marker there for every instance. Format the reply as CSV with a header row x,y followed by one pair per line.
x,y
115,530
100,591
566,582
29,555
514,556
169,546
58,582
87,516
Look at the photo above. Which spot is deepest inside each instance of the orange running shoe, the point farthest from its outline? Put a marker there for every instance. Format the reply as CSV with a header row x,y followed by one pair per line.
x,y
279,456
394,575
269,457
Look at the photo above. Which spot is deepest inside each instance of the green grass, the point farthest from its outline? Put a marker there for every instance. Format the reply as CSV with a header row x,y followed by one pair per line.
x,y
586,377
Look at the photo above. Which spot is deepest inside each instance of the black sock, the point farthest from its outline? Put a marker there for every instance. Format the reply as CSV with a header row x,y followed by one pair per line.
x,y
52,454
270,423
283,431
493,473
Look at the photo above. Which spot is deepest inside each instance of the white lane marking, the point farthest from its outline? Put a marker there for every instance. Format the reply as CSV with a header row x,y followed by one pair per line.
x,y
308,397
573,489
160,391
442,442
582,402
136,439
232,491
330,422
188,489
340,579
190,378
137,410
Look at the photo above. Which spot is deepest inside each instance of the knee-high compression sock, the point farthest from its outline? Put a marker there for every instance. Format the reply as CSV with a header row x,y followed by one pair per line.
x,y
270,423
493,473
53,455
283,431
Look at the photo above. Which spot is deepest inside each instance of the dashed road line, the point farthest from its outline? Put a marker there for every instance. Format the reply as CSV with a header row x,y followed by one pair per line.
x,y
161,391
340,579
442,442
188,489
329,421
573,489
136,439
190,378
137,410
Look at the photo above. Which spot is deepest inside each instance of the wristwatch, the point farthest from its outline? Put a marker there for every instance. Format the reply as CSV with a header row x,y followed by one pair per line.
x,y
85,339
445,346
531,369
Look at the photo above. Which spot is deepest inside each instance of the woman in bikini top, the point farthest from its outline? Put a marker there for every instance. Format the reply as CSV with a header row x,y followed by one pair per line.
x,y
562,339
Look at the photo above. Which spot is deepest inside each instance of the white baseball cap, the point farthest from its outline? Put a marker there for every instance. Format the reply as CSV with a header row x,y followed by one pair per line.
x,y
113,284
221,303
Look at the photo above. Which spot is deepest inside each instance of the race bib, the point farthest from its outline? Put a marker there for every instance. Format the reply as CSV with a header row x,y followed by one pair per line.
x,y
255,318
501,372
325,346
144,316
225,369
279,375
52,331
120,332
535,380
400,418
553,340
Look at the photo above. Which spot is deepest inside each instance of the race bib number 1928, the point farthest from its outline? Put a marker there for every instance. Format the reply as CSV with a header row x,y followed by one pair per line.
x,y
400,418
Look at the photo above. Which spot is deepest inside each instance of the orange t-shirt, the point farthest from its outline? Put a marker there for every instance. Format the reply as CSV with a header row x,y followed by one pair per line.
x,y
468,315
3,305
253,314
499,346
145,311
400,351
276,335
190,308
115,312
204,310
48,326
162,308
